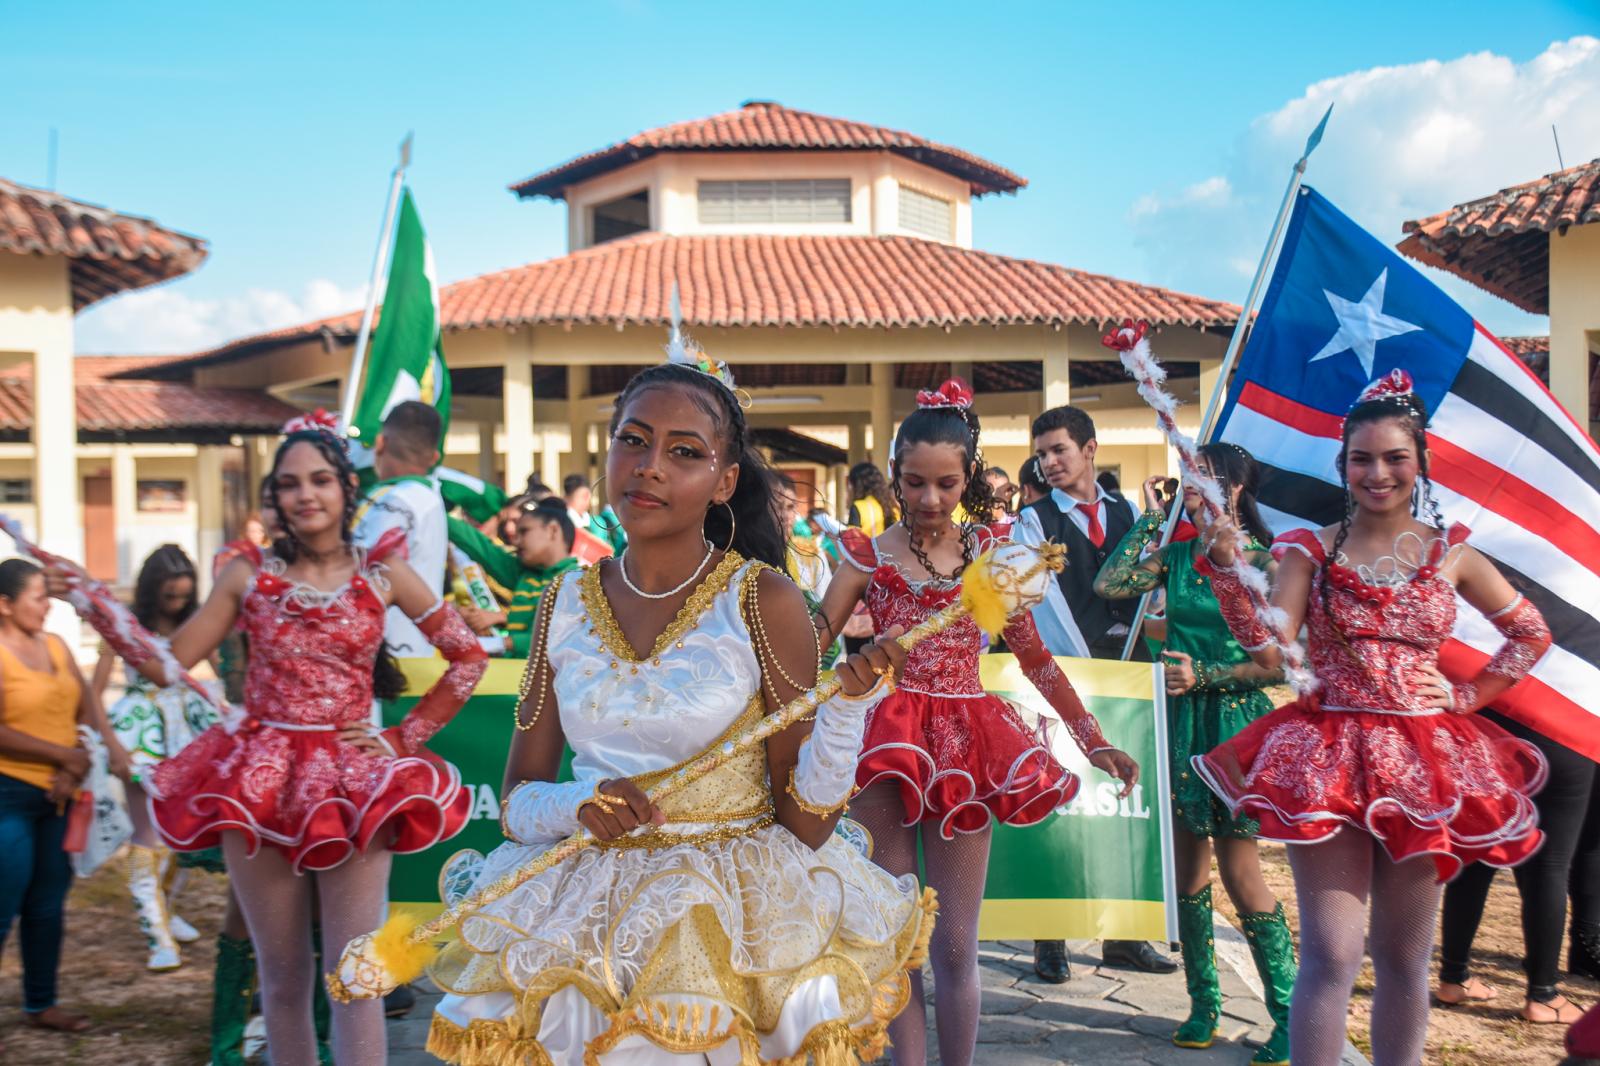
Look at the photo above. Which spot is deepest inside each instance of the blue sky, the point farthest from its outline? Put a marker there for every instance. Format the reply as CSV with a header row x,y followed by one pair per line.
x,y
1156,137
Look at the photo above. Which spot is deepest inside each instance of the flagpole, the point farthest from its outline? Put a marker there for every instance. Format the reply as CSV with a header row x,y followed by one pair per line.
x,y
1225,368
380,260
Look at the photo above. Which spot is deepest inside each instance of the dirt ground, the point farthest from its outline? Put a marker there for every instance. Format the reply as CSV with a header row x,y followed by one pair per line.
x,y
145,1019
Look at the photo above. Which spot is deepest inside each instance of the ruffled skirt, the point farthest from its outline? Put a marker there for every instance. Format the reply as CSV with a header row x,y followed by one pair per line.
x,y
741,949
308,794
963,759
1455,787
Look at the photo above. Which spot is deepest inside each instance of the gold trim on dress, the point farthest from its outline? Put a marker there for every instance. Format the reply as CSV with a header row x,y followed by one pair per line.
x,y
603,622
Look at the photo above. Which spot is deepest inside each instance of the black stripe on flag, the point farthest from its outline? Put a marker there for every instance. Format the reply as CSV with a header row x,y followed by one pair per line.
x,y
1321,504
1487,391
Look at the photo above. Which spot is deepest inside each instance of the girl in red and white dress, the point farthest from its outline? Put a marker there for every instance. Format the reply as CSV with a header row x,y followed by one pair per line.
x,y
1384,768
941,758
303,771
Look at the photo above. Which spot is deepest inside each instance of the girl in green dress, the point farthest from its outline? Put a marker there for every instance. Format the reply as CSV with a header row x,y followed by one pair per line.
x,y
1213,691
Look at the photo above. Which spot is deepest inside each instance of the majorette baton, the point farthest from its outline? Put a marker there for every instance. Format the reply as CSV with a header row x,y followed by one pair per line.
x,y
88,596
1150,375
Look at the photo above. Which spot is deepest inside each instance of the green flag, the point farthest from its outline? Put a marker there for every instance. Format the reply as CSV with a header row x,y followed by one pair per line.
x,y
406,360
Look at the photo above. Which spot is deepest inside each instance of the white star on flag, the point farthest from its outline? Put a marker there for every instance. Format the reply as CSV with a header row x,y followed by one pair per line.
x,y
1362,324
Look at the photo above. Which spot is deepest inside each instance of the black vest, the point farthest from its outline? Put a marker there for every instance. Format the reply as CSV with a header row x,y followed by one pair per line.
x,y
1093,614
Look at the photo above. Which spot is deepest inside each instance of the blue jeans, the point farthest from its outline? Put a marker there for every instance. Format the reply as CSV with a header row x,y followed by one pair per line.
x,y
34,877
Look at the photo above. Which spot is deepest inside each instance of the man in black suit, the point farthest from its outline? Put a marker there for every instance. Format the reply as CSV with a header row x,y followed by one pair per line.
x,y
1090,521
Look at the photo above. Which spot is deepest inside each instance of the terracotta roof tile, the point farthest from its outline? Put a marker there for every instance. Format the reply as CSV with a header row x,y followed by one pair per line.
x,y
110,252
755,280
765,126
1500,242
111,408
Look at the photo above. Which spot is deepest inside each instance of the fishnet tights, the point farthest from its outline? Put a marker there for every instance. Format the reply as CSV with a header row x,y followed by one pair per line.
x,y
277,906
1332,882
957,870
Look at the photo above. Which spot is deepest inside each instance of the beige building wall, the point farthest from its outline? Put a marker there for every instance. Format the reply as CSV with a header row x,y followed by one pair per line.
x,y
671,179
36,326
1574,317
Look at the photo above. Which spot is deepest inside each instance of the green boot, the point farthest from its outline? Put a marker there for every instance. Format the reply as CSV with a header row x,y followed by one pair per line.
x,y
1273,949
319,1002
232,985
1199,971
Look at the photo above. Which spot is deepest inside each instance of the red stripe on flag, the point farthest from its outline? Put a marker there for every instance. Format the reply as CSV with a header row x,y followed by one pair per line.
x,y
1526,369
1493,487
1531,702
1297,415
1515,500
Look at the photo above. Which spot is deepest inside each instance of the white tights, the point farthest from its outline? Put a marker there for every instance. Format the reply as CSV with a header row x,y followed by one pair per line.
x,y
957,870
1332,882
277,906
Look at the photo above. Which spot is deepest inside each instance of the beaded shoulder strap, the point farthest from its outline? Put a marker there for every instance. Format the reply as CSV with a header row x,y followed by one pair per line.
x,y
750,611
538,655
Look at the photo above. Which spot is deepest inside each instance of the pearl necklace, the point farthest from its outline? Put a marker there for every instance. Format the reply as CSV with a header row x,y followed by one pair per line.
x,y
622,567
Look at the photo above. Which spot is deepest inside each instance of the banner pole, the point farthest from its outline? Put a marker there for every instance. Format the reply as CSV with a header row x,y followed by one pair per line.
x,y
1235,343
380,260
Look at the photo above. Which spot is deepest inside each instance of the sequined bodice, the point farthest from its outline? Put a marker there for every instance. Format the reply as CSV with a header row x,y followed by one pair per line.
x,y
1366,655
945,664
311,652
625,716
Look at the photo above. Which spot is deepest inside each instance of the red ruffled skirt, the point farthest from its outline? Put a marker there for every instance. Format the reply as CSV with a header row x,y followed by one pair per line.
x,y
961,759
308,794
1455,787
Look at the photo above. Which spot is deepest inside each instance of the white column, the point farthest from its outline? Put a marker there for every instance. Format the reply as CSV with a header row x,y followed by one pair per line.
x,y
550,459
882,415
518,420
1574,315
125,504
208,505
486,450
1057,384
578,426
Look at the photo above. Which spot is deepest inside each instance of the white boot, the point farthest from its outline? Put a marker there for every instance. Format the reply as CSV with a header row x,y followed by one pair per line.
x,y
173,878
144,884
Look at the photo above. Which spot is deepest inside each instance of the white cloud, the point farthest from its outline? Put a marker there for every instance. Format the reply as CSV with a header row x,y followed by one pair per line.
x,y
1404,142
167,321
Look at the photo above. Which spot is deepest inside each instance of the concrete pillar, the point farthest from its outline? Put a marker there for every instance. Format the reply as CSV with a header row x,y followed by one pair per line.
x,y
1057,384
125,504
211,535
517,398
577,424
963,369
1574,315
882,415
1210,377
550,459
486,450
858,440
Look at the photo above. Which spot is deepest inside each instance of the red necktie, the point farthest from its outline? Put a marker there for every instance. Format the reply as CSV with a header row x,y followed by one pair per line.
x,y
1097,532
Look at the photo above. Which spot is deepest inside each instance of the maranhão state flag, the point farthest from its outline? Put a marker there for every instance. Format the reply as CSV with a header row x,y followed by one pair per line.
x,y
1506,459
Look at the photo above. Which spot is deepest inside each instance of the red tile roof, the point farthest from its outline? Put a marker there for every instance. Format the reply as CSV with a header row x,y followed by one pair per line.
x,y
762,125
110,252
756,280
111,409
1500,242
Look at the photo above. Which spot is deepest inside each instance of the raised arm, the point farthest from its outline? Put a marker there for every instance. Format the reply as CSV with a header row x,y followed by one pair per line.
x,y
1517,619
1291,590
445,630
1128,572
1046,675
499,563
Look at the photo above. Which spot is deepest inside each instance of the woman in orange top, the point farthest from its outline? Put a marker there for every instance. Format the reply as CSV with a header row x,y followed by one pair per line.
x,y
42,700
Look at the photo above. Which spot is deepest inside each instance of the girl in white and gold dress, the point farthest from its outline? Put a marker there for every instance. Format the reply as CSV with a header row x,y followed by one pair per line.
x,y
735,923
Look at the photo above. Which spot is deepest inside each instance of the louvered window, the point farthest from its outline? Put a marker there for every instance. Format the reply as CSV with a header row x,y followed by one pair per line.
x,y
805,200
927,215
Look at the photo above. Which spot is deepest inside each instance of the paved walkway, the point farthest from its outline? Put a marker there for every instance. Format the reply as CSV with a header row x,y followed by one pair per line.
x,y
1101,1016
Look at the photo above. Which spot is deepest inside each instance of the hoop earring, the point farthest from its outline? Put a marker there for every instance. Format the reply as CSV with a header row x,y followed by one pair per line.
x,y
733,527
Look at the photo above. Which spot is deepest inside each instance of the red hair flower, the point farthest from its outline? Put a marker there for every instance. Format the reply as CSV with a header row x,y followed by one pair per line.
x,y
318,419
1395,383
1126,336
953,393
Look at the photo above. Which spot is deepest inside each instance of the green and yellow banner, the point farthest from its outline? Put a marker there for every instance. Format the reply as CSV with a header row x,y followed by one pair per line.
x,y
1099,868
